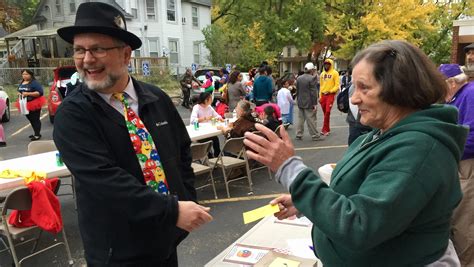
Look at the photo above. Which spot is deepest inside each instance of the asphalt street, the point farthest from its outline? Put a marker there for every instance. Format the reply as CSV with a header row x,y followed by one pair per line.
x,y
208,241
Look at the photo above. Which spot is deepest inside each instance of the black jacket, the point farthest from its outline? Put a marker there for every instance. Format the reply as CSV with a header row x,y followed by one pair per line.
x,y
121,219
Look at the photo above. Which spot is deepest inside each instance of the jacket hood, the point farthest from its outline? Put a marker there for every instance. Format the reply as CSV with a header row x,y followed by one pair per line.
x,y
330,61
439,122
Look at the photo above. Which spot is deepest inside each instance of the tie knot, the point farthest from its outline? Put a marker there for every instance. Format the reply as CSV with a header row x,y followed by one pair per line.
x,y
119,96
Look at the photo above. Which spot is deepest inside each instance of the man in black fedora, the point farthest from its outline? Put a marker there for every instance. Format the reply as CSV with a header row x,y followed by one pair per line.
x,y
469,66
128,150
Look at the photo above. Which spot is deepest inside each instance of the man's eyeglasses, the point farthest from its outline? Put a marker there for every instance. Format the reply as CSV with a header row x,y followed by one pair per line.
x,y
97,52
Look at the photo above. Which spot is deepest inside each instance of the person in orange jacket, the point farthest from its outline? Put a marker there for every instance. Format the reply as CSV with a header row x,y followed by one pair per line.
x,y
329,85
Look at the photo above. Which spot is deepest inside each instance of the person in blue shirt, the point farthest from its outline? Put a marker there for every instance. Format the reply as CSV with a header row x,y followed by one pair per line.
x,y
33,91
262,87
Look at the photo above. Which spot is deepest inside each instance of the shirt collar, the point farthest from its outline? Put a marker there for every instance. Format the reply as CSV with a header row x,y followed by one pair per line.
x,y
129,89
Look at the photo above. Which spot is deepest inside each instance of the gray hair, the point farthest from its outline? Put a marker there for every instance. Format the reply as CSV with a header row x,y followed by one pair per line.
x,y
460,78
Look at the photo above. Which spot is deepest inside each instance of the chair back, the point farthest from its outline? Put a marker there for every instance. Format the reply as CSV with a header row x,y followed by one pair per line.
x,y
277,130
234,146
18,199
41,146
199,151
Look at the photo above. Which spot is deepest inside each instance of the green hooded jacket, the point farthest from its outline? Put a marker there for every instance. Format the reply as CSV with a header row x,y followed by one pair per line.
x,y
391,196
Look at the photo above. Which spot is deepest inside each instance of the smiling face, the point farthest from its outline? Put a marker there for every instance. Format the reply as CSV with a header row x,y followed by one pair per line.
x,y
470,59
106,74
373,110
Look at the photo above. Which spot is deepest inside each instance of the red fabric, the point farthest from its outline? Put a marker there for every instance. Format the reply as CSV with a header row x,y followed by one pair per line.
x,y
45,208
326,102
221,109
34,104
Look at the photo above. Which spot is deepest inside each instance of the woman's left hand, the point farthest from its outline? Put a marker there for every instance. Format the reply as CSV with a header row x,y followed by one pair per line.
x,y
287,209
270,151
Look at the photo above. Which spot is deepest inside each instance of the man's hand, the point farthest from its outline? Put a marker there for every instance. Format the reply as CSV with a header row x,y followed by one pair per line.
x,y
192,216
287,209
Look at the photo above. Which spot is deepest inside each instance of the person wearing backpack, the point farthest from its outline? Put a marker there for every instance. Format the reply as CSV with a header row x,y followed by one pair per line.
x,y
356,129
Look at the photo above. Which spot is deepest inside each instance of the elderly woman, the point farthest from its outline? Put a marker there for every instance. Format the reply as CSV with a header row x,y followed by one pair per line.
x,y
245,121
390,200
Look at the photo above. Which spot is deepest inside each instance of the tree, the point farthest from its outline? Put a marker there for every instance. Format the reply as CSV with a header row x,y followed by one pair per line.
x,y
17,14
359,24
10,16
428,24
437,45
28,9
249,31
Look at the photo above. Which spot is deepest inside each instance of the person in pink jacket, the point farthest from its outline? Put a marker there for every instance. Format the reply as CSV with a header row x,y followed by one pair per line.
x,y
3,106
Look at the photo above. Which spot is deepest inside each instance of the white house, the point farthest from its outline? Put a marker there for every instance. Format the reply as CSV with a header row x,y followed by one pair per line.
x,y
171,28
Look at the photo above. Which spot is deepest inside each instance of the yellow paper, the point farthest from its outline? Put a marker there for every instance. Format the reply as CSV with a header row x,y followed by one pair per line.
x,y
256,214
280,262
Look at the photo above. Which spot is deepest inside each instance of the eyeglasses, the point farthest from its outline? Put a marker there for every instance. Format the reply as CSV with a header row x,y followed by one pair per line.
x,y
97,52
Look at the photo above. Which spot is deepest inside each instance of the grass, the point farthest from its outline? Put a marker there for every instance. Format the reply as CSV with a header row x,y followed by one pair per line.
x,y
11,90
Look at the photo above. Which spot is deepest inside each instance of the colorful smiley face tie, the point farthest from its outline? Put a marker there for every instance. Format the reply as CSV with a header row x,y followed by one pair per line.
x,y
144,148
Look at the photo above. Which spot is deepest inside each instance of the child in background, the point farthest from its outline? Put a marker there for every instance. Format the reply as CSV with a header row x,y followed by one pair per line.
x,y
285,102
260,110
269,119
208,85
203,112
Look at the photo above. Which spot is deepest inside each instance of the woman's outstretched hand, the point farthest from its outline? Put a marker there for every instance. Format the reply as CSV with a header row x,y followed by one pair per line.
x,y
270,150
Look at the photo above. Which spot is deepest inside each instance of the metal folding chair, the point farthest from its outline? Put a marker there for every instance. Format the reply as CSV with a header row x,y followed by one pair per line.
x,y
200,164
20,199
255,165
233,146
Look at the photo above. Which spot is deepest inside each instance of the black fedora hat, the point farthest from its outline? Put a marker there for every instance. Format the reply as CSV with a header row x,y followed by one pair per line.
x,y
469,47
95,17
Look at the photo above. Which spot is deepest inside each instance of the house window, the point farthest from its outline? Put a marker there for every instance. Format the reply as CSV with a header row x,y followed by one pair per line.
x,y
194,11
137,53
197,52
59,8
154,47
171,10
288,51
135,13
150,9
174,53
72,6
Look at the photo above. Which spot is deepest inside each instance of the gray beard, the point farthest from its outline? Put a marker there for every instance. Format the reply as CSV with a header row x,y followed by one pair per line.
x,y
470,66
101,86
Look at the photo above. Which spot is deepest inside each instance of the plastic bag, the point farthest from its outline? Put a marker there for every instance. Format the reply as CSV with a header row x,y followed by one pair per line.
x,y
23,105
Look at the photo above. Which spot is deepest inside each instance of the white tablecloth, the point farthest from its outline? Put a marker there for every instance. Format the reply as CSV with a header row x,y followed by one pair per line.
x,y
44,162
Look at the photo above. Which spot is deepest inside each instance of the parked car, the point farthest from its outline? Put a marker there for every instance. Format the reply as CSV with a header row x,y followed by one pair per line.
x,y
60,87
6,115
